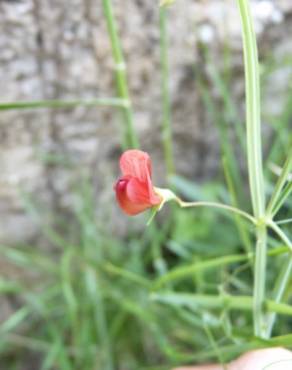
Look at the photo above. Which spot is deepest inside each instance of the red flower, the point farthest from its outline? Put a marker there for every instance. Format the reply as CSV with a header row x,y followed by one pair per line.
x,y
134,190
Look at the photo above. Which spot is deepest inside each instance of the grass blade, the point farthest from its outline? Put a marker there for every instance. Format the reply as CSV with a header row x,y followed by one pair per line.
x,y
277,198
54,104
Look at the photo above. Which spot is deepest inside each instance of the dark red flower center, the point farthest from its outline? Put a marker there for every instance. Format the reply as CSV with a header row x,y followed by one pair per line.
x,y
121,184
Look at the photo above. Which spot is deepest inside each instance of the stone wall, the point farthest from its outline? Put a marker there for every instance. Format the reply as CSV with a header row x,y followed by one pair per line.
x,y
52,49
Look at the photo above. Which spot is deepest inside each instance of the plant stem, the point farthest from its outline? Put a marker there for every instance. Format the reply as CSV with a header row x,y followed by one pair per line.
x,y
184,272
282,197
281,234
279,290
130,138
254,159
272,206
259,281
166,120
283,277
111,102
216,205
253,120
286,221
243,303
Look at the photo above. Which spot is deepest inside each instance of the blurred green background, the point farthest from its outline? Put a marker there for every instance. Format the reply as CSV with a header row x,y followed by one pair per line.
x,y
83,286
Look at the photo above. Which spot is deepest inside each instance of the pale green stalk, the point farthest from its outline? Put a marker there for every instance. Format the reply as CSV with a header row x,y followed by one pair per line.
x,y
281,234
243,303
283,277
272,206
130,138
282,222
285,193
253,119
216,205
279,290
254,159
183,272
166,119
260,325
108,102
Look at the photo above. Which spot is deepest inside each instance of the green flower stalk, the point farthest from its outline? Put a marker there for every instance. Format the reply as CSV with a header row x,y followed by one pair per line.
x,y
130,137
254,159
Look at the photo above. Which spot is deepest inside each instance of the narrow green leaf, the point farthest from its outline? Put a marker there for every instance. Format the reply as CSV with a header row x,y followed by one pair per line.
x,y
15,319
166,131
230,351
38,104
278,197
183,272
130,139
282,197
200,301
126,274
8,287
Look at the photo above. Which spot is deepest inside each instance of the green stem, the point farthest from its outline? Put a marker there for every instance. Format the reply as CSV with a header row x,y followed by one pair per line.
x,y
243,303
184,272
281,234
216,205
283,277
110,102
272,206
259,282
282,197
130,138
166,121
279,290
282,222
254,159
253,120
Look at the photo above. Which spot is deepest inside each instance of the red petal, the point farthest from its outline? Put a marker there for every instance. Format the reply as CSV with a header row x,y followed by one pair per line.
x,y
136,163
126,203
153,197
138,192
134,191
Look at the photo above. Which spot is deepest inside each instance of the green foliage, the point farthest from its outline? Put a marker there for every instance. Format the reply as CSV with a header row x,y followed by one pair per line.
x,y
98,302
178,291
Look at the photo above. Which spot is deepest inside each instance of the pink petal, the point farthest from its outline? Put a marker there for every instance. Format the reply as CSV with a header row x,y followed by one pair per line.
x,y
136,163
138,192
127,204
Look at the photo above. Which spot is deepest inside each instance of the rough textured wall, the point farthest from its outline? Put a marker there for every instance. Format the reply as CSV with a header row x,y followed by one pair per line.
x,y
52,49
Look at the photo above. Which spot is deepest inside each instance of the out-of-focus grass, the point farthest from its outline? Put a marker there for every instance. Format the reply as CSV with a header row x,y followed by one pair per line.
x,y
146,301
93,303
92,306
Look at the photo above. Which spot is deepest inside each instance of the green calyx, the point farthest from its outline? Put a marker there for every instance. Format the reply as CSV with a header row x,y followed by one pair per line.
x,y
166,196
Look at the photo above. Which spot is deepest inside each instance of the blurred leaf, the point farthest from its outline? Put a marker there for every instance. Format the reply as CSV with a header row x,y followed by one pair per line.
x,y
183,272
112,102
15,320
